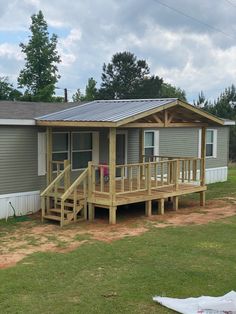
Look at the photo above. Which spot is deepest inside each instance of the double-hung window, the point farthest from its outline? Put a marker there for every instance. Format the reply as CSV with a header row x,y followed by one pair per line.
x,y
211,143
60,146
81,149
151,139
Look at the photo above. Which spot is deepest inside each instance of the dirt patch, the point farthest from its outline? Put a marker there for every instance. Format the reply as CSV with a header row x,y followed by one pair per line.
x,y
31,236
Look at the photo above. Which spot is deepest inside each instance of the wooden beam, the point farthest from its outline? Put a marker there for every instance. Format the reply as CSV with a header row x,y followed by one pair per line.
x,y
112,215
201,112
91,212
161,206
202,198
148,208
165,118
112,164
162,125
76,123
175,203
141,145
157,119
147,113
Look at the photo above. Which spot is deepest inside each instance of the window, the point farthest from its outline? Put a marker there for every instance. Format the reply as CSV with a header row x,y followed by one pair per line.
x,y
41,153
60,146
210,143
151,140
81,149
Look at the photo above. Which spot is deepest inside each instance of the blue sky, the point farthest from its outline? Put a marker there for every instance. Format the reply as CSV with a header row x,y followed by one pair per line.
x,y
186,53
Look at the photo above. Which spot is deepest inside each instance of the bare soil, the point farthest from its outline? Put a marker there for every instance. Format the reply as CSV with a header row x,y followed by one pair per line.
x,y
31,236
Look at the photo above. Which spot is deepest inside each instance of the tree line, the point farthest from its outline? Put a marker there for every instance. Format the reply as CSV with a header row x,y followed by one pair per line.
x,y
124,77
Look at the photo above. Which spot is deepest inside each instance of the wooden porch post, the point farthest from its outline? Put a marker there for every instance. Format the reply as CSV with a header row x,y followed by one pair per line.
x,y
49,155
112,175
203,165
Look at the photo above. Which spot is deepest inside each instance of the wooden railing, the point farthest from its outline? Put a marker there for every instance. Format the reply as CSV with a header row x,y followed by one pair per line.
x,y
146,176
60,182
78,190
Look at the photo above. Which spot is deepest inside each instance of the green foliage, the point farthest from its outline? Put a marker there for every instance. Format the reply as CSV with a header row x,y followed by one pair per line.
x,y
201,101
122,77
169,91
90,92
7,91
77,97
40,73
225,107
126,77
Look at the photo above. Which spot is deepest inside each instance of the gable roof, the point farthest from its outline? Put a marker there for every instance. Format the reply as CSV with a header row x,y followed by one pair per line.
x,y
107,110
120,112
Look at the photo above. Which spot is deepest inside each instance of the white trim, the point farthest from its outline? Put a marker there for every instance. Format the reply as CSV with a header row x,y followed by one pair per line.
x,y
215,142
229,122
214,152
17,122
156,141
41,153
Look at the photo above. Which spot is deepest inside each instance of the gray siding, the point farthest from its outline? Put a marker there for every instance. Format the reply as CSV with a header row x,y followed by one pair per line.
x,y
19,156
222,154
18,159
178,142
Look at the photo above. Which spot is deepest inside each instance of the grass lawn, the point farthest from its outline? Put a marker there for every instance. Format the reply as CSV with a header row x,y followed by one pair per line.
x,y
122,276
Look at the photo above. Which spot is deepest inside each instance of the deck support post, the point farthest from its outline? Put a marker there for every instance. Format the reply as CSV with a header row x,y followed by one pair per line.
x,y
112,165
202,198
148,208
203,156
91,212
175,203
161,206
112,215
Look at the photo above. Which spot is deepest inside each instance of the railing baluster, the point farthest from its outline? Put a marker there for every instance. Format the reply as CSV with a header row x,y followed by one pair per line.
x,y
101,174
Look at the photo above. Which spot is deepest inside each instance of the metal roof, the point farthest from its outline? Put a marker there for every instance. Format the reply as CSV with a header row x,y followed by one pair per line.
x,y
107,110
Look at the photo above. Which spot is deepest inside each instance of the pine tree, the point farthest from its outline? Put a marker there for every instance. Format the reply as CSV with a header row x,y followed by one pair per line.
x,y
40,73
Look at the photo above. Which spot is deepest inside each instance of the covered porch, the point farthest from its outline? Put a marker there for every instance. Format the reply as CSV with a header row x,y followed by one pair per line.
x,y
110,185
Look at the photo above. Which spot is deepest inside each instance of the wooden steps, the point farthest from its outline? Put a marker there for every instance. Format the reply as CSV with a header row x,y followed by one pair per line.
x,y
52,217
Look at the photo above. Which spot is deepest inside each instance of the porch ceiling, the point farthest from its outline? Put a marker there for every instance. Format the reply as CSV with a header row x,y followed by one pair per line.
x,y
166,112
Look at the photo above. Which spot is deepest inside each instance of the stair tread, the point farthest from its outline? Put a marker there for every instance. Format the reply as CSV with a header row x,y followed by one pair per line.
x,y
58,210
52,217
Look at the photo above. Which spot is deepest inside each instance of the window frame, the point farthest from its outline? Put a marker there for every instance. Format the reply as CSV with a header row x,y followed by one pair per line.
x,y
68,149
156,143
83,150
214,143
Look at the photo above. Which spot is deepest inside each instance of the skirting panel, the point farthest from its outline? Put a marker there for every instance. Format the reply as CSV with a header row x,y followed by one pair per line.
x,y
23,203
216,175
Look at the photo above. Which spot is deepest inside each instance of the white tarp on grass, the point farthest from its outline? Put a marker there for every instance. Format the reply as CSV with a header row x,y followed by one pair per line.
x,y
202,305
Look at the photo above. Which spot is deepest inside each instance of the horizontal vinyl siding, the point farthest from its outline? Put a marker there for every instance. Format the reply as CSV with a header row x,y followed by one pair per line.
x,y
178,142
221,159
18,159
133,146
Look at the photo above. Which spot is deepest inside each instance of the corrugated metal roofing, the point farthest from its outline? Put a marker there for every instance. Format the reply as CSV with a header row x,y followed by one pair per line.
x,y
107,110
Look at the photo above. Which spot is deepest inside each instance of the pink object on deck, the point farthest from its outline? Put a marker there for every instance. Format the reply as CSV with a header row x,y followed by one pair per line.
x,y
105,169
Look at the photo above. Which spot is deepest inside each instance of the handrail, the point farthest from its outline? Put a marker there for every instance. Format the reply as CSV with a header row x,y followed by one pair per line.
x,y
82,176
169,157
57,179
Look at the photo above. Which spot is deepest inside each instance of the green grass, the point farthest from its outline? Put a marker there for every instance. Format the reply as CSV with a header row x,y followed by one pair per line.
x,y
122,276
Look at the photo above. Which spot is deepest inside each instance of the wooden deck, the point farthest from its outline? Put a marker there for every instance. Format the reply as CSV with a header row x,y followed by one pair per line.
x,y
103,199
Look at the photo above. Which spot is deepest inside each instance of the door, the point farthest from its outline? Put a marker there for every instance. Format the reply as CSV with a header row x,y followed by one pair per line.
x,y
121,150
